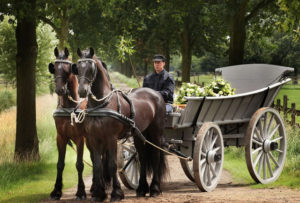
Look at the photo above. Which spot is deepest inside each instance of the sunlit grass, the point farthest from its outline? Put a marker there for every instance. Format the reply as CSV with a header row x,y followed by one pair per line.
x,y
33,181
290,177
130,82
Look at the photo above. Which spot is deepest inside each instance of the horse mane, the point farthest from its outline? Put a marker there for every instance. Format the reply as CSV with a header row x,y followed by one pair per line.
x,y
102,65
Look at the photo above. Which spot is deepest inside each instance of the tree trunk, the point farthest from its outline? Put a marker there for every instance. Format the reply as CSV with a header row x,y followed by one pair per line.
x,y
27,144
63,34
186,52
145,68
166,52
237,34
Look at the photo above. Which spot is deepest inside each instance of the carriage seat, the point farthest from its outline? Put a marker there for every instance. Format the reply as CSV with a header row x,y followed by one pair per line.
x,y
250,77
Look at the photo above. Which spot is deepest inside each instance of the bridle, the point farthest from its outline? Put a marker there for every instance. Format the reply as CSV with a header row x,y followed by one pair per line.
x,y
61,61
90,81
95,71
60,76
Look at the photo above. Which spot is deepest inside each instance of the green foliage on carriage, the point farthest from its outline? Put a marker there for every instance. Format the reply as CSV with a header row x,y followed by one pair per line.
x,y
218,87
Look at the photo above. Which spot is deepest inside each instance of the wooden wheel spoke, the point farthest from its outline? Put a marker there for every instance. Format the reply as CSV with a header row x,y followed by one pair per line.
x,y
214,141
208,175
273,159
278,138
265,123
202,162
260,164
203,174
257,142
256,150
258,134
257,158
132,172
203,154
260,129
270,124
273,132
269,165
213,171
264,167
278,150
216,149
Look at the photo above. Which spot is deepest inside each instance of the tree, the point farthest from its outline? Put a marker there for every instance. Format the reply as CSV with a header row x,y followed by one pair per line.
x,y
8,50
242,12
27,144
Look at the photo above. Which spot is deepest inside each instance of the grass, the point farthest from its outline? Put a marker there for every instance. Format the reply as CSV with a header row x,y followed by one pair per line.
x,y
31,182
235,163
130,82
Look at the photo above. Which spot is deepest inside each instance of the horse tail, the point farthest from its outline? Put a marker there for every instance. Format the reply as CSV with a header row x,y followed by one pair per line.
x,y
151,151
163,166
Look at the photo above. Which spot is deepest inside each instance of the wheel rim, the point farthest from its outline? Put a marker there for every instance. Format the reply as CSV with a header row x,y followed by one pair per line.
x,y
131,175
208,157
187,167
266,146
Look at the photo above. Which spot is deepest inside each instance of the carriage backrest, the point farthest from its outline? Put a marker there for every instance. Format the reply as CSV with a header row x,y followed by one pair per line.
x,y
250,77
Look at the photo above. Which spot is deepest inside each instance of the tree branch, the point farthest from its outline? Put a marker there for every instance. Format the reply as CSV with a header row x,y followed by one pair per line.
x,y
55,9
49,22
255,10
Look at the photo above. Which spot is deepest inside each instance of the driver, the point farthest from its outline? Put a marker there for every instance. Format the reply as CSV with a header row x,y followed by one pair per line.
x,y
161,81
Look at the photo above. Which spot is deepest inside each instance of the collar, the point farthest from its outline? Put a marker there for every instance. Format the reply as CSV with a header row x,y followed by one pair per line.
x,y
161,73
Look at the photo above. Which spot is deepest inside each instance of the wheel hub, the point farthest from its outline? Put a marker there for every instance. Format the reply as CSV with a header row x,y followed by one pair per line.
x,y
210,157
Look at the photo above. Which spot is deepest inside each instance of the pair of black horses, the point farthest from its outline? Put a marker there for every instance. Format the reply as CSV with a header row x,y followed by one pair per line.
x,y
102,133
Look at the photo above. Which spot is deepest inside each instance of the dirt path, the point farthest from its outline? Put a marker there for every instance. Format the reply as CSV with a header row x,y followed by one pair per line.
x,y
178,188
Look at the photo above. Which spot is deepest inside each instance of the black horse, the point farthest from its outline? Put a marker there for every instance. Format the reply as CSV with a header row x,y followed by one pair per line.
x,y
67,90
103,132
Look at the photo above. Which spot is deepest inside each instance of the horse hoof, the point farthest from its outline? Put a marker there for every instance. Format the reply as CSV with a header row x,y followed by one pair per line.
x,y
80,198
140,194
116,199
154,194
117,196
55,195
97,199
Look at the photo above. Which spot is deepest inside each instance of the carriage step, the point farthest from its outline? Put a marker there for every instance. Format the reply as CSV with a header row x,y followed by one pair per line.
x,y
172,141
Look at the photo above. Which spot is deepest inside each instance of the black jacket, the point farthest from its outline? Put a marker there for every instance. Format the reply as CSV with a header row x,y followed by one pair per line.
x,y
163,83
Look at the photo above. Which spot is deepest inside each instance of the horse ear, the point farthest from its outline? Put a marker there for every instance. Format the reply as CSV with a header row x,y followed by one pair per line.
x,y
66,52
56,52
74,69
51,68
79,53
91,52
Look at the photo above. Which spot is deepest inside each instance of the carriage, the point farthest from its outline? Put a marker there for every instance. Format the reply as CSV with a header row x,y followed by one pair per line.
x,y
199,133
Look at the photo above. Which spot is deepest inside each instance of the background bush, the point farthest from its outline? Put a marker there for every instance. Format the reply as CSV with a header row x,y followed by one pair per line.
x,y
7,100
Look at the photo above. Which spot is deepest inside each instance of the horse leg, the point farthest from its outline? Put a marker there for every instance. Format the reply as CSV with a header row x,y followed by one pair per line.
x,y
143,187
117,193
61,146
93,179
98,193
106,169
80,195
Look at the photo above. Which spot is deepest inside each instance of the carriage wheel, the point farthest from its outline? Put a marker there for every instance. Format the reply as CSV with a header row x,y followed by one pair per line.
x,y
129,162
265,148
187,167
208,157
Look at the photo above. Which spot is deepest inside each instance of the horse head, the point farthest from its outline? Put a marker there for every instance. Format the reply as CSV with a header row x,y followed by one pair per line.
x,y
88,68
61,69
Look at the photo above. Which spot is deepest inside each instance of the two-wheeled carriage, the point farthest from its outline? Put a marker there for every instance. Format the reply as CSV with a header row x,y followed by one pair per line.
x,y
199,133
